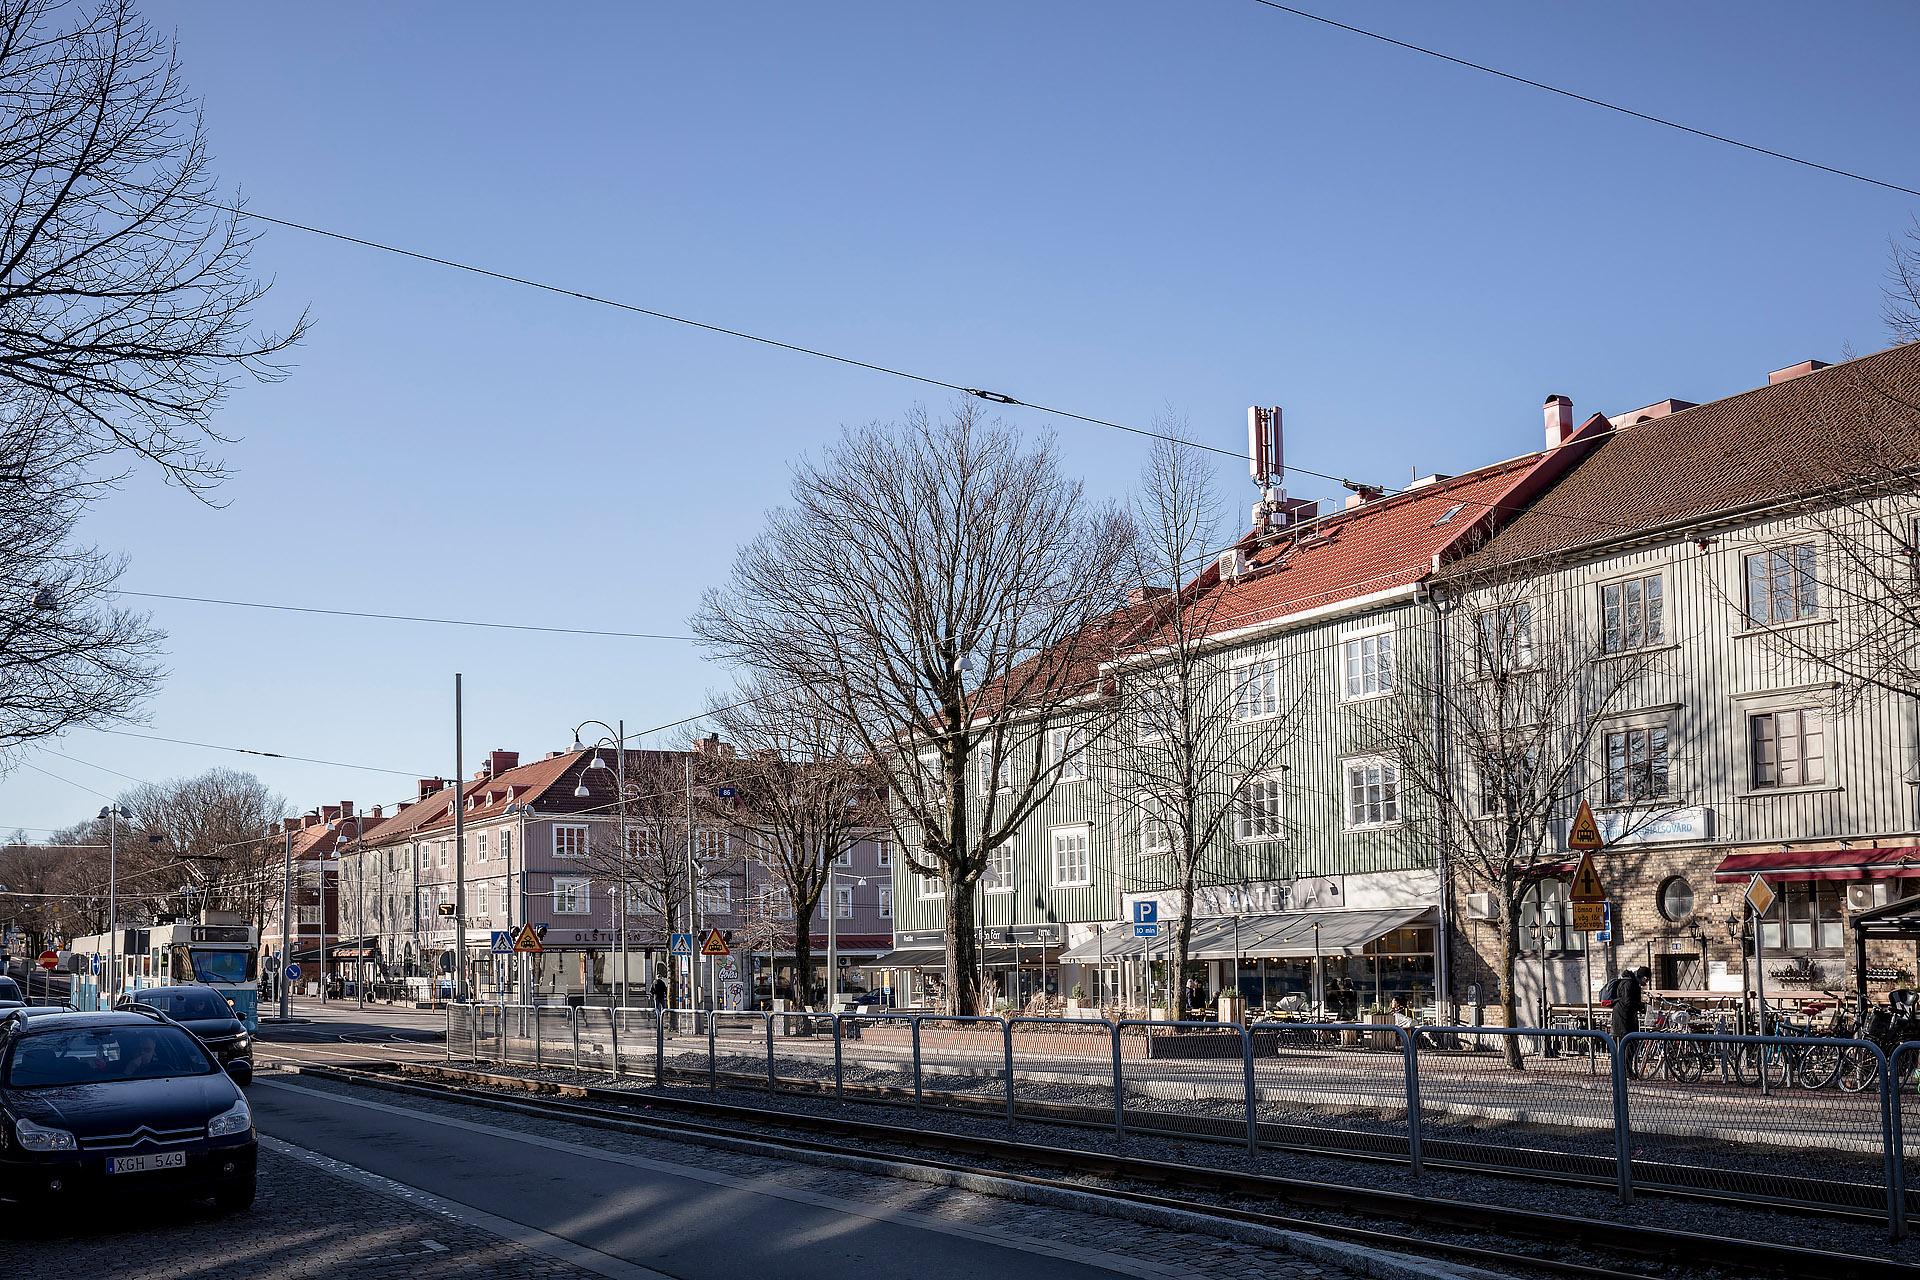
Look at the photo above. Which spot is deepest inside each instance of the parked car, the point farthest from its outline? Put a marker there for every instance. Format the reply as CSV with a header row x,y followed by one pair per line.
x,y
10,990
203,1011
91,1102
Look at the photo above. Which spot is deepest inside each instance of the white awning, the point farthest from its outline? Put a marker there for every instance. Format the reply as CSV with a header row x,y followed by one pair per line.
x,y
1284,935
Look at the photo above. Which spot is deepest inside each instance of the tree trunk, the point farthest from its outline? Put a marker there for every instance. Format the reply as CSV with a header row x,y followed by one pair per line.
x,y
1182,948
803,958
1509,968
963,952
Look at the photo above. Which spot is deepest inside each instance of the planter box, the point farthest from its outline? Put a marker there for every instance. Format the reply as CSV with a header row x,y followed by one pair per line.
x,y
1191,1045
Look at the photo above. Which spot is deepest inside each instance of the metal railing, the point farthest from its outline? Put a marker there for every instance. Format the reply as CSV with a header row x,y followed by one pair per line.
x,y
1654,1110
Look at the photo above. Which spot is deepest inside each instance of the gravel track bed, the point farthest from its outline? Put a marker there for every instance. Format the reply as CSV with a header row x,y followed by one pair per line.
x,y
1758,1223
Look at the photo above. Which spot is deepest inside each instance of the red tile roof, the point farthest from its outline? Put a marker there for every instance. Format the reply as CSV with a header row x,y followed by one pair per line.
x,y
549,782
1772,444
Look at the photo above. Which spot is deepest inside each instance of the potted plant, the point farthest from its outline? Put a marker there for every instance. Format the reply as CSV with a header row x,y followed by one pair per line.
x,y
1077,1001
1381,1016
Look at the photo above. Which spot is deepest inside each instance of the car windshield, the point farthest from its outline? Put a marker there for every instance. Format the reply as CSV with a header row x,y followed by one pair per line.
x,y
219,966
105,1055
189,1003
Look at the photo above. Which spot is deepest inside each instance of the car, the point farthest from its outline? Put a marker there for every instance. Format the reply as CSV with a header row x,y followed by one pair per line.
x,y
122,1100
34,1010
203,1011
10,990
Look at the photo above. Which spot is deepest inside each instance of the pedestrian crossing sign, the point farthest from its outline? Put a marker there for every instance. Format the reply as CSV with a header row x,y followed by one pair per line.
x,y
714,945
1585,832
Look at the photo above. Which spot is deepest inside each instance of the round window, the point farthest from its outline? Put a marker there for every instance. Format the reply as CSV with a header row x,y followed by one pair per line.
x,y
1676,898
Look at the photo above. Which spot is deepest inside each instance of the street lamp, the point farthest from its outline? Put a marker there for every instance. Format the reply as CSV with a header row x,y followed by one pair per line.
x,y
359,918
113,813
833,916
582,792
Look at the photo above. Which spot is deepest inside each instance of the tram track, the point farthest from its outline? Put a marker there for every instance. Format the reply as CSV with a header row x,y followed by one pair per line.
x,y
1452,1230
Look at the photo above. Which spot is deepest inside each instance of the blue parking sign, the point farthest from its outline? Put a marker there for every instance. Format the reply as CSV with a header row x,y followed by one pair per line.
x,y
1146,912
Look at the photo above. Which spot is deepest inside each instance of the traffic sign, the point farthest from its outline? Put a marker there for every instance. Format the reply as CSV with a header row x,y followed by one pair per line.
x,y
49,960
1585,832
1146,911
526,941
1760,895
1146,931
501,941
1606,923
1589,917
1586,883
715,945
293,973
680,944
725,793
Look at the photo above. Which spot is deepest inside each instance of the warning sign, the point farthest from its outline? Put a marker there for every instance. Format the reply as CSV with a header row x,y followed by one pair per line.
x,y
714,944
1585,832
1760,895
526,941
1586,884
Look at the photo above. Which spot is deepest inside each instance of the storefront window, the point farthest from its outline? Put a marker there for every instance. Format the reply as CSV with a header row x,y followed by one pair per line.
x,y
1807,917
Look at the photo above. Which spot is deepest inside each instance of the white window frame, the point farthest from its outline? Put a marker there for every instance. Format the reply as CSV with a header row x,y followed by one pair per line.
x,y
576,892
886,902
883,852
998,877
1153,822
1067,747
506,843
1268,825
1353,645
1651,636
1791,548
1084,833
716,898
843,901
1389,775
1520,612
930,887
479,846
563,842
1264,669
1150,689
994,770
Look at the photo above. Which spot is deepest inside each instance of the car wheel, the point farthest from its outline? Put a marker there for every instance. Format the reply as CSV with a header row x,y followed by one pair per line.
x,y
236,1197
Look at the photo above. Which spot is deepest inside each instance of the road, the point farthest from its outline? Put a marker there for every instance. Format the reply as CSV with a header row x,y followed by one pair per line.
x,y
341,1033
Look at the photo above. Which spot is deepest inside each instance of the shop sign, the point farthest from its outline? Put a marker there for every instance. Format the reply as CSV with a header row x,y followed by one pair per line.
x,y
1679,826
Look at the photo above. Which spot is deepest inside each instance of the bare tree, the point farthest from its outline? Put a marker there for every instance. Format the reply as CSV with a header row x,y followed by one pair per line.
x,y
804,792
1194,742
36,876
1494,730
933,585
1901,296
208,842
69,655
124,285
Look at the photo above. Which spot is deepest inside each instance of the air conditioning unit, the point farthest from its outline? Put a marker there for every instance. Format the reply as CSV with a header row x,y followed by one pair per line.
x,y
1862,896
1482,906
1232,564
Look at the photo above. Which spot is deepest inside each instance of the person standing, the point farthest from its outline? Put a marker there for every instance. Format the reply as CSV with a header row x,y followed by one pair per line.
x,y
1629,993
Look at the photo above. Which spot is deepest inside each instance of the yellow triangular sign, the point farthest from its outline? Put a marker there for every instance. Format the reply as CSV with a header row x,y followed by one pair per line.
x,y
715,945
527,941
1585,832
1586,883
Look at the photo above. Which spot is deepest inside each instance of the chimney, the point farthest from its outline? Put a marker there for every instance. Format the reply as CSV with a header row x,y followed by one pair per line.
x,y
330,812
1140,595
431,786
1362,493
1558,411
311,818
1647,413
346,808
374,812
1794,371
498,762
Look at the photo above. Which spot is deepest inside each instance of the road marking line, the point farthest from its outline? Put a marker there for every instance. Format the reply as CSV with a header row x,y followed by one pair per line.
x,y
758,1186
558,1248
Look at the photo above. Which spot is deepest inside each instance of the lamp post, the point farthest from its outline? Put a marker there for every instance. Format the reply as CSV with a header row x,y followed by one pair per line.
x,y
833,916
286,916
581,792
113,813
359,918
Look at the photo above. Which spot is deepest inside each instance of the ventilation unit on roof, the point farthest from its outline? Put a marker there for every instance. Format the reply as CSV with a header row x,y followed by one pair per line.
x,y
1232,564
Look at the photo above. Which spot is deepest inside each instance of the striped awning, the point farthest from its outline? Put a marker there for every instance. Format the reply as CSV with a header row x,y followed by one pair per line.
x,y
1282,935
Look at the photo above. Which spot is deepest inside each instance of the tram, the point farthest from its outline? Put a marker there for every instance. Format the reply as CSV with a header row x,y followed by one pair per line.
x,y
219,950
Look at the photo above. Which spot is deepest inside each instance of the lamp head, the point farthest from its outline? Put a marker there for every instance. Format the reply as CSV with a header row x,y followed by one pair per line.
x,y
580,792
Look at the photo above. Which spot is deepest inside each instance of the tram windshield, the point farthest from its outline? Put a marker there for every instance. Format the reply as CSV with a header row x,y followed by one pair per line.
x,y
219,966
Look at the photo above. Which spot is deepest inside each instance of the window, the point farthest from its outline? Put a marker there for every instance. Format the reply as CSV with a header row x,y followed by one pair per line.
x,y
716,898
1154,708
1156,833
845,859
1507,785
999,873
1506,639
1072,858
1068,748
1548,902
640,900
506,843
1373,794
569,840
709,844
570,897
1632,614
1446,517
843,902
1367,664
1256,689
930,886
1808,917
1636,765
1259,808
778,902
480,847
445,847
1675,899
995,770
883,850
1788,748
1781,585
480,899
886,902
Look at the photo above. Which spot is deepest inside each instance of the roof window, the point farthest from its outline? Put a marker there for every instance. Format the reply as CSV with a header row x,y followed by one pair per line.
x,y
1448,515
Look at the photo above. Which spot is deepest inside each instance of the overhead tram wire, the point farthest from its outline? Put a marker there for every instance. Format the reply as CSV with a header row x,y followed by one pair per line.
x,y
252,751
1602,103
403,617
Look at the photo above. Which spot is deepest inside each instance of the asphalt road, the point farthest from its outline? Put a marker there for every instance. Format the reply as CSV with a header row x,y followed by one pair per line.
x,y
340,1033
638,1209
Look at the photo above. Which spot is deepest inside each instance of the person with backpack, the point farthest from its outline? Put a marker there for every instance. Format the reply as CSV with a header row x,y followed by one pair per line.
x,y
1626,998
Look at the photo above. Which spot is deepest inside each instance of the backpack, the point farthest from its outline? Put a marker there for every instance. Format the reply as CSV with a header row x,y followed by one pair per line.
x,y
1611,992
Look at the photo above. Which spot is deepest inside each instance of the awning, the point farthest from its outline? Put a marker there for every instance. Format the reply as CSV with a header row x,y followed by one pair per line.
x,y
1285,935
1821,864
908,958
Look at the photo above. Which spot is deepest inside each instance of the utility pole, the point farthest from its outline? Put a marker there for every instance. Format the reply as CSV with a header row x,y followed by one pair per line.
x,y
693,901
459,856
323,859
620,809
286,917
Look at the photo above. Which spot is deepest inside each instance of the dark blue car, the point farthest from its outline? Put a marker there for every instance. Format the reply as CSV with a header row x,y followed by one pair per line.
x,y
107,1102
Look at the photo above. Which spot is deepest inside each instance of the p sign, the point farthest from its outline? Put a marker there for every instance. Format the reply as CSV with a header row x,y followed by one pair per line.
x,y
1147,911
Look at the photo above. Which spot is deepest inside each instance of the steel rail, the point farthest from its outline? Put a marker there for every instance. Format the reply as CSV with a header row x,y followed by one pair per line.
x,y
1663,1247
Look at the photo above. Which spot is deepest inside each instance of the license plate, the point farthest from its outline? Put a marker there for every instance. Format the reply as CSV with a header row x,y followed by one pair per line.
x,y
147,1164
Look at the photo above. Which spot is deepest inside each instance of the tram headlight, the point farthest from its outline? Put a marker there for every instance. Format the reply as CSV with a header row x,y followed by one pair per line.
x,y
235,1119
34,1137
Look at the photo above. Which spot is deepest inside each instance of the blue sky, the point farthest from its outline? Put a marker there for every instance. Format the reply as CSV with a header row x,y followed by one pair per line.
x,y
1119,208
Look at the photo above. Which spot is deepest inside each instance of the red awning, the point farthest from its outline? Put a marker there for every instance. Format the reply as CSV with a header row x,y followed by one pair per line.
x,y
1821,864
